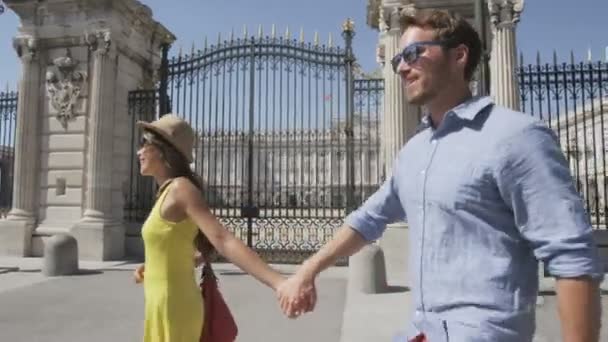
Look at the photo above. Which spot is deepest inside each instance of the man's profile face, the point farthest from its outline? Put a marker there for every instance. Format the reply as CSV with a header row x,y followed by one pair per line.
x,y
428,70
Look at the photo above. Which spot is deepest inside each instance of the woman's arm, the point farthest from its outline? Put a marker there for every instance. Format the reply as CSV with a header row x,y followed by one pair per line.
x,y
191,200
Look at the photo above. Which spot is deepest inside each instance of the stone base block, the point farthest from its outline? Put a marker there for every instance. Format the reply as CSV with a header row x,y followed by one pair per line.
x,y
16,237
99,240
395,244
601,240
367,271
60,256
38,242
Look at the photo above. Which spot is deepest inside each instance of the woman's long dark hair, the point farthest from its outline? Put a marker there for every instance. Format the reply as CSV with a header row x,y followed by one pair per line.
x,y
179,167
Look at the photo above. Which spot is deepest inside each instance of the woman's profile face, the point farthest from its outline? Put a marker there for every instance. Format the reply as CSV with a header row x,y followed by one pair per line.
x,y
150,157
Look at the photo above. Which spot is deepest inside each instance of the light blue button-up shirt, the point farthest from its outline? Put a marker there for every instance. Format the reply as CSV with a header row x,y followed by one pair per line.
x,y
486,195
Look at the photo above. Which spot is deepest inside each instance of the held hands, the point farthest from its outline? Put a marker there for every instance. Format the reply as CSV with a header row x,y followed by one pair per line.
x,y
138,274
297,295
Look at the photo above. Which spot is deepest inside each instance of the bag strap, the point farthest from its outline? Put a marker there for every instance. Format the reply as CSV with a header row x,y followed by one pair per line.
x,y
208,271
163,187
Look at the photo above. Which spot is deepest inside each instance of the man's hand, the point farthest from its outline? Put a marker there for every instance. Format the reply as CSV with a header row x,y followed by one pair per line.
x,y
297,294
138,275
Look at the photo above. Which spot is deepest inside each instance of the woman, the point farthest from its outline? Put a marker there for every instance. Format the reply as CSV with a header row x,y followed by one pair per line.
x,y
173,302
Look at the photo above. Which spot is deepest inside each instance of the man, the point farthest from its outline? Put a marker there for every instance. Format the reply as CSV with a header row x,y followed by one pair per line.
x,y
486,192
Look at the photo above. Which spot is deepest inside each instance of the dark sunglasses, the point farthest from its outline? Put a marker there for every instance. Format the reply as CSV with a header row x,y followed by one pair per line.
x,y
143,141
412,52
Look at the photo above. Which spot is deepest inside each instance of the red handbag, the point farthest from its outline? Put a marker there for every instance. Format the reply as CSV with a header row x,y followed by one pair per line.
x,y
219,324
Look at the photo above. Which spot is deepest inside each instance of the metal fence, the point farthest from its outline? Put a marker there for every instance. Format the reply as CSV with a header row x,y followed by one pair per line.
x,y
287,140
8,124
139,195
312,136
572,98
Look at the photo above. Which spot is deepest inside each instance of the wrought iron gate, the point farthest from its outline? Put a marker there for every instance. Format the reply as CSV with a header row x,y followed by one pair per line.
x,y
572,98
287,139
8,127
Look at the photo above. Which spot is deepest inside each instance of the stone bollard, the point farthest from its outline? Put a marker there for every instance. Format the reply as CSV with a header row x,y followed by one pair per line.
x,y
60,256
367,270
604,284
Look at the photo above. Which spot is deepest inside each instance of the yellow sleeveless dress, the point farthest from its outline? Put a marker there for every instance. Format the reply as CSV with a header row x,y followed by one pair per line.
x,y
173,301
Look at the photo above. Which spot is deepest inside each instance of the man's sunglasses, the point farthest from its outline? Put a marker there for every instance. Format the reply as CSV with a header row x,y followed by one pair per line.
x,y
412,52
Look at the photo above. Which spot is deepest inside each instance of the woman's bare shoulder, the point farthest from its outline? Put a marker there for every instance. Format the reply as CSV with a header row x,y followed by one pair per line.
x,y
185,188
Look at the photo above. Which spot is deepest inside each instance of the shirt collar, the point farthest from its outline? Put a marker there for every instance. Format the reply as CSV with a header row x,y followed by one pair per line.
x,y
467,110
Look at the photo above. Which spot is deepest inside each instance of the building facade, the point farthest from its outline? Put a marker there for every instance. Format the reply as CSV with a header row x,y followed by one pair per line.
x,y
304,169
583,135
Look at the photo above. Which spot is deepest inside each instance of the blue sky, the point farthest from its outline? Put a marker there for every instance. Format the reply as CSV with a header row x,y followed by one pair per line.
x,y
546,25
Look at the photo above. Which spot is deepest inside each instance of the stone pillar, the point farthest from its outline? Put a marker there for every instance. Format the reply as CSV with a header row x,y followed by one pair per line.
x,y
504,16
93,53
16,229
97,204
399,119
101,236
399,122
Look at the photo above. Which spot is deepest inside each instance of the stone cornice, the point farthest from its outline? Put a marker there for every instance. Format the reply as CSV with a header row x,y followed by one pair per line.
x,y
33,14
140,16
375,16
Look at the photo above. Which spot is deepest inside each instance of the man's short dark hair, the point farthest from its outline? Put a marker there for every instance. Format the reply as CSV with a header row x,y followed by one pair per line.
x,y
450,29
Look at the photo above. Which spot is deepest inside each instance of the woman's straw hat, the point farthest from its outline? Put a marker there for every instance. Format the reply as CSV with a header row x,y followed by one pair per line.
x,y
175,131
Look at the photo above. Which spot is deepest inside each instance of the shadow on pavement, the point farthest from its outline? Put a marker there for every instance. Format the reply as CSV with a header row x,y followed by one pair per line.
x,y
8,269
396,289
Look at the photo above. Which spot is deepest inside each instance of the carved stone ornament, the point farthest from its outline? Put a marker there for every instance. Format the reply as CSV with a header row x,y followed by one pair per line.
x,y
505,12
390,15
26,47
99,41
63,85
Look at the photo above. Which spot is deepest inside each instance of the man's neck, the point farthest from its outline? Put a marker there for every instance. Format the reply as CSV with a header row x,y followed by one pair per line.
x,y
442,103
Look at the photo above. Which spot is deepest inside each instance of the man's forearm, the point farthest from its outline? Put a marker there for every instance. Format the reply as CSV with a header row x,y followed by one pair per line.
x,y
345,243
579,309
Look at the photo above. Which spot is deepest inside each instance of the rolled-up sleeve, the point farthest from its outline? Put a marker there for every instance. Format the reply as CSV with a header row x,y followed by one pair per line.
x,y
534,179
380,209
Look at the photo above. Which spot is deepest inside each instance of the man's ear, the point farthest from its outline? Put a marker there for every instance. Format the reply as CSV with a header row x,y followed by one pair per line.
x,y
461,55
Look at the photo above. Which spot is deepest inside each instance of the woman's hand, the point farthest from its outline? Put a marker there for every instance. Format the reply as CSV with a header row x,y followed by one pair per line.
x,y
138,274
298,294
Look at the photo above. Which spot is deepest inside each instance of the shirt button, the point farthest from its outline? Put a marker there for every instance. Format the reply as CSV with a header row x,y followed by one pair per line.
x,y
422,172
433,141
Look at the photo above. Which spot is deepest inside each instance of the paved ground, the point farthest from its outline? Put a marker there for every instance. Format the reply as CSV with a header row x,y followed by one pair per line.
x,y
103,304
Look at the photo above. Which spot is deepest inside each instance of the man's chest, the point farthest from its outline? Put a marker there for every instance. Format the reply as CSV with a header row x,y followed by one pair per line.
x,y
452,171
